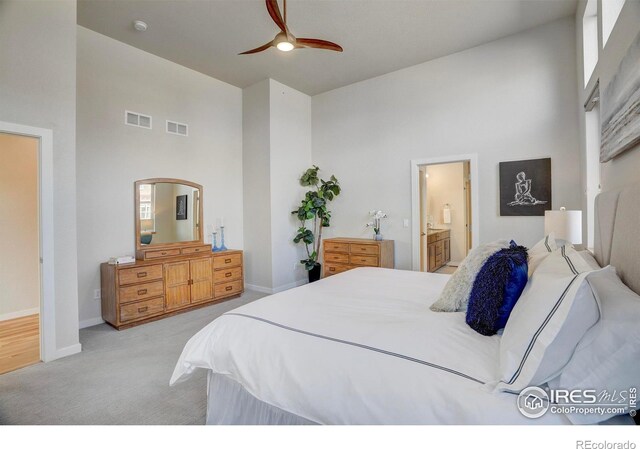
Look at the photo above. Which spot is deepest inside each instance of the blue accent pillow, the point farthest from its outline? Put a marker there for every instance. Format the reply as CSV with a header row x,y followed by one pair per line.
x,y
496,289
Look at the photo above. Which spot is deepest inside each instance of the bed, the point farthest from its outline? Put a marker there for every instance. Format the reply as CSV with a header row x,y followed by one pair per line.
x,y
362,347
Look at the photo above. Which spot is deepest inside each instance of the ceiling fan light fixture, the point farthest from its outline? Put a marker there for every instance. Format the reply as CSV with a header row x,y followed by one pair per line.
x,y
284,46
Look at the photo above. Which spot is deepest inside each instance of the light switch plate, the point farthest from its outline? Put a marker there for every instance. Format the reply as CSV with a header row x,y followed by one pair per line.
x,y
406,223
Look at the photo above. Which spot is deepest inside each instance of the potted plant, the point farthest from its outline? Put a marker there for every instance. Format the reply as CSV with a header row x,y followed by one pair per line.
x,y
376,224
313,208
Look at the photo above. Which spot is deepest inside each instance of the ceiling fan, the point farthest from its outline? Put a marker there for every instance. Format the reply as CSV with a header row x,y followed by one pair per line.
x,y
284,40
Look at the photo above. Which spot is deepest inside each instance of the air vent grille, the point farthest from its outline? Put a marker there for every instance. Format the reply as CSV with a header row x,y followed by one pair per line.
x,y
137,119
179,129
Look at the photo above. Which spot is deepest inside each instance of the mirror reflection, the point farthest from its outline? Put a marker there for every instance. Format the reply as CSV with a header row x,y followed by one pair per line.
x,y
168,213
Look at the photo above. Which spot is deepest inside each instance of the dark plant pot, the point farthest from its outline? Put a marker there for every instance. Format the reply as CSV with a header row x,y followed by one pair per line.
x,y
314,273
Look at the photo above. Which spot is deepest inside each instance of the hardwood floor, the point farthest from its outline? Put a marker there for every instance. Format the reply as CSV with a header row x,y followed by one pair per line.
x,y
19,342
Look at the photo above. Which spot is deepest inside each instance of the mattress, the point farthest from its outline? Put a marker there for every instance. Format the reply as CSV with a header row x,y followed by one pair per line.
x,y
361,347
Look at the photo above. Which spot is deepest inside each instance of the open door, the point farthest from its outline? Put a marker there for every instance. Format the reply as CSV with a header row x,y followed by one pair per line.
x,y
19,252
467,195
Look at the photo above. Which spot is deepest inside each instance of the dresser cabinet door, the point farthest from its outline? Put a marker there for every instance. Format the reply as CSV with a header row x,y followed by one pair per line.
x,y
447,250
178,291
431,250
201,280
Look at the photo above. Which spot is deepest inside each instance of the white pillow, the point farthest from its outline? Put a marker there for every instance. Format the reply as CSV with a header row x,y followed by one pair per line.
x,y
608,356
540,251
591,261
455,295
555,310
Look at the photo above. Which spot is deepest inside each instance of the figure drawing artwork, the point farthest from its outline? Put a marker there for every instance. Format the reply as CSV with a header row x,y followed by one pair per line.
x,y
525,187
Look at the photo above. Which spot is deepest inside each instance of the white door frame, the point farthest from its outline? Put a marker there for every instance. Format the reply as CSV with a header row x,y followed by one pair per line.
x,y
47,290
415,200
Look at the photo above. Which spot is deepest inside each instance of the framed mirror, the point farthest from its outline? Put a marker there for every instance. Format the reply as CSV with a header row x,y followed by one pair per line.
x,y
168,212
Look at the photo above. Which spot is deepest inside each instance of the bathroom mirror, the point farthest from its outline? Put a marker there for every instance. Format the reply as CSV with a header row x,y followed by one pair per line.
x,y
168,212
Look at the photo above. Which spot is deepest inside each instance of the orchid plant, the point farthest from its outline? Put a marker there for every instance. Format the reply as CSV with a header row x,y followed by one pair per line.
x,y
376,224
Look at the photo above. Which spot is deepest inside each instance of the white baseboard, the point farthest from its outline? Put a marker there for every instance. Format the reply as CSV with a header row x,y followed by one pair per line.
x,y
65,352
91,322
270,291
19,314
298,283
258,288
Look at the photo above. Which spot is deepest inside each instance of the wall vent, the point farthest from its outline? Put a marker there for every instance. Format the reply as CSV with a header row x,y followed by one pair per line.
x,y
180,129
136,119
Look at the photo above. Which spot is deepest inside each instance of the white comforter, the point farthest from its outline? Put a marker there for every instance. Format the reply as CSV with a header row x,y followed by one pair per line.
x,y
360,347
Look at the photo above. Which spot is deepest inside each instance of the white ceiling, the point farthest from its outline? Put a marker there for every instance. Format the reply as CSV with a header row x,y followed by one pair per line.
x,y
378,36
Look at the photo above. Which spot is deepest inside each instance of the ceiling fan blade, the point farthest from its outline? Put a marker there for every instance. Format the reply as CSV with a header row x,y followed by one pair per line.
x,y
317,43
257,50
274,12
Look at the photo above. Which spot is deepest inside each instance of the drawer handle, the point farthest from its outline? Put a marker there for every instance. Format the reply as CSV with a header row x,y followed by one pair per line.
x,y
142,275
164,253
227,261
143,309
228,275
363,260
332,269
142,292
196,250
229,288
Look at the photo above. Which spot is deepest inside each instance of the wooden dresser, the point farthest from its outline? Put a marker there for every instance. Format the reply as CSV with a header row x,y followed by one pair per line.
x,y
438,248
167,282
342,254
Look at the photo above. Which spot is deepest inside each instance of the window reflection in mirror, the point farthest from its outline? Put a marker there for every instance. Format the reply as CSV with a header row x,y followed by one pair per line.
x,y
169,213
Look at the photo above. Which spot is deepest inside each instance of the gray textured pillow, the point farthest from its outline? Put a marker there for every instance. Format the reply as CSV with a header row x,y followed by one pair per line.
x,y
455,295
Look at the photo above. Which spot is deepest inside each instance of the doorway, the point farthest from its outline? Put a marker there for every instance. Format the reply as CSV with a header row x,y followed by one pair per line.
x,y
444,209
19,252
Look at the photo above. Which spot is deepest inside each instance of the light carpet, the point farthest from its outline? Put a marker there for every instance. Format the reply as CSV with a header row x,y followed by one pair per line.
x,y
120,377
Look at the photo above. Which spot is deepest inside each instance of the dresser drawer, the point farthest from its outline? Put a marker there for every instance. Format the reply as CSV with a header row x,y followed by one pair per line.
x,y
141,274
336,247
196,249
140,310
368,261
330,269
227,261
141,291
228,288
227,274
364,248
336,257
161,253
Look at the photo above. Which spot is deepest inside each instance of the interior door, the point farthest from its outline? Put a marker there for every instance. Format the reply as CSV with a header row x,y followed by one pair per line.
x,y
467,200
178,291
201,280
19,252
424,258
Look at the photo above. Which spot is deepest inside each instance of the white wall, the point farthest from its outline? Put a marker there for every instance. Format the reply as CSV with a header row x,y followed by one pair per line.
x,y
507,100
111,156
277,150
445,185
256,167
290,157
38,88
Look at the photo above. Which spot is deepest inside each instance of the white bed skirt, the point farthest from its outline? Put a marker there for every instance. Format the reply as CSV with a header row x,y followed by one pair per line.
x,y
229,403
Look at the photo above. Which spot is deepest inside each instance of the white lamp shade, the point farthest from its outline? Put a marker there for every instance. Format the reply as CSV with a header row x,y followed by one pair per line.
x,y
565,224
